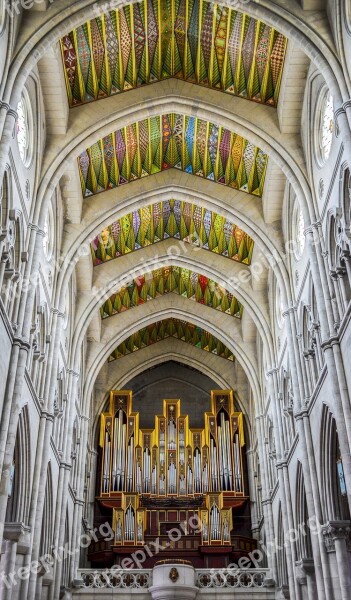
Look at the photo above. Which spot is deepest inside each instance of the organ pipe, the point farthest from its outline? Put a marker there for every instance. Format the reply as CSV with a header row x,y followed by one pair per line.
x,y
173,458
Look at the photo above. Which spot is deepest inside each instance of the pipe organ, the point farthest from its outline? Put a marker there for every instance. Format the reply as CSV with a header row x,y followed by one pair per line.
x,y
156,478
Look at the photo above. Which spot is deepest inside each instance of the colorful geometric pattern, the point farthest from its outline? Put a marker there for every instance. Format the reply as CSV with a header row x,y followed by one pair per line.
x,y
182,330
172,219
172,140
194,40
176,280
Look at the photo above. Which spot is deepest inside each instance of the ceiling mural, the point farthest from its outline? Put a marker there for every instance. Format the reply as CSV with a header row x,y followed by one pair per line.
x,y
194,40
182,330
172,140
176,280
172,219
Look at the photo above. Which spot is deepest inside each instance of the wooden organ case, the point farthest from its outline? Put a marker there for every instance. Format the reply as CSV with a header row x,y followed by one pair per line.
x,y
179,485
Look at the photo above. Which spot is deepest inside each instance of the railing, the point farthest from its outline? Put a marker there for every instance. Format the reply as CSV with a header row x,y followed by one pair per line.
x,y
115,578
231,578
142,578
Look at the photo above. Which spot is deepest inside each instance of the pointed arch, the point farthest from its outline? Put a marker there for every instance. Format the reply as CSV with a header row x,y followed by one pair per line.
x,y
304,544
334,492
20,473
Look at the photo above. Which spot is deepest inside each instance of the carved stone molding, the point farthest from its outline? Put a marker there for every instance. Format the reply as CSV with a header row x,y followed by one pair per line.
x,y
336,530
304,567
20,533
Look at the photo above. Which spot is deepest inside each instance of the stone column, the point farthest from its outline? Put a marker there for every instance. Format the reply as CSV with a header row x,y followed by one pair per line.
x,y
337,538
266,501
306,578
311,483
17,538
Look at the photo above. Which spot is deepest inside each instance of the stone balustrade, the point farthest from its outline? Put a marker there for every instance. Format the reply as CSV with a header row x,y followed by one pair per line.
x,y
141,579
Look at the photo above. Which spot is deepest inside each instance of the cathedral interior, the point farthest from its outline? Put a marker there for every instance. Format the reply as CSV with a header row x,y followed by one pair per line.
x,y
175,299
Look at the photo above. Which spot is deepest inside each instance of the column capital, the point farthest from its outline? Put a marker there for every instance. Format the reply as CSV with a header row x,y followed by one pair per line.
x,y
65,465
73,373
330,342
20,533
300,414
49,416
272,371
336,530
289,310
306,565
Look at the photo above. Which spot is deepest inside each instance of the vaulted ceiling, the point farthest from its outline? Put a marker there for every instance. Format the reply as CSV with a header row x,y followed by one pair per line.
x,y
139,44
172,140
167,280
172,219
175,328
195,40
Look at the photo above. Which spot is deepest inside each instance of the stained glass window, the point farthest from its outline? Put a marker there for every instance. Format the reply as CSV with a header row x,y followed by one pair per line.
x,y
298,232
24,126
326,126
22,137
341,477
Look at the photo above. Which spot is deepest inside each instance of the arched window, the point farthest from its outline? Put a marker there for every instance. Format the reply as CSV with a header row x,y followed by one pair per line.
x,y
19,473
298,231
324,126
336,504
304,543
48,238
24,129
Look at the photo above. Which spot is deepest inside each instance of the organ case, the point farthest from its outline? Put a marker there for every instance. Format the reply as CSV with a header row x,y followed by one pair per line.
x,y
173,465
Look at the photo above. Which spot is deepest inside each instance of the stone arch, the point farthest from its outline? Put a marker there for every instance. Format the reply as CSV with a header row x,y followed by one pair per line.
x,y
304,544
19,475
336,498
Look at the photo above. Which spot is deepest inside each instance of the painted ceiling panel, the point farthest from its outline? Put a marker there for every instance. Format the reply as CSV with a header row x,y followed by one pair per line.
x,y
194,40
172,219
172,140
176,280
182,330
